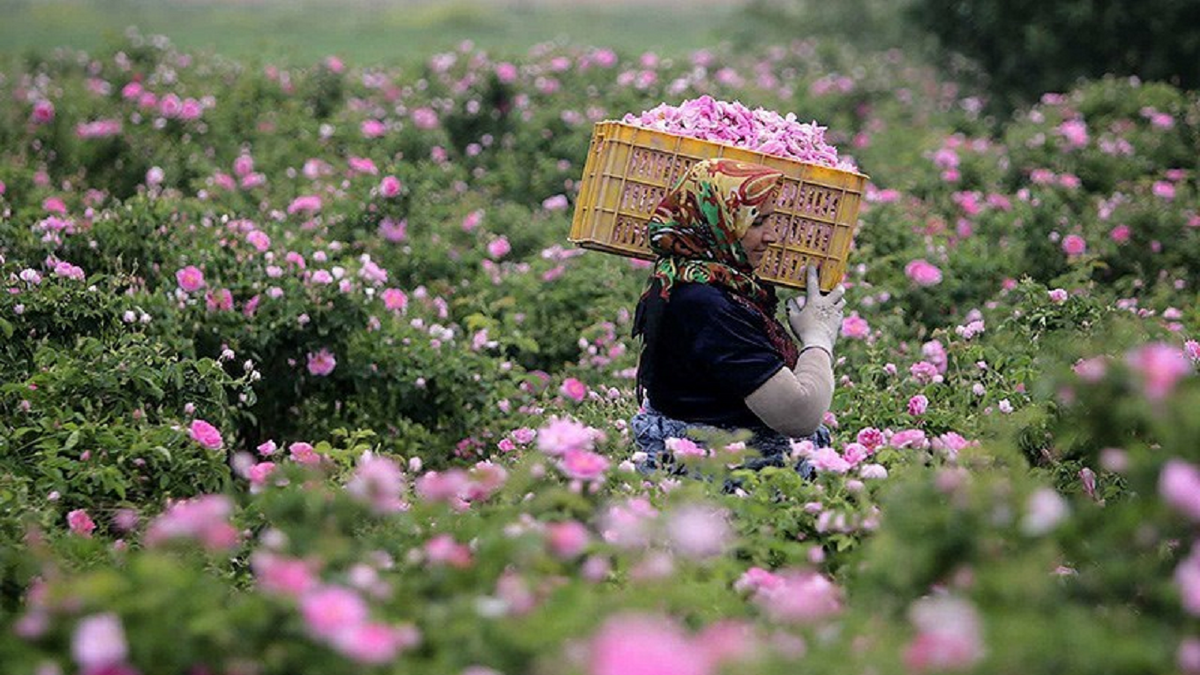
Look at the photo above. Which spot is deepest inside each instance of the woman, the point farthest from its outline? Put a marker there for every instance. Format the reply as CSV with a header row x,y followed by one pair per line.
x,y
714,355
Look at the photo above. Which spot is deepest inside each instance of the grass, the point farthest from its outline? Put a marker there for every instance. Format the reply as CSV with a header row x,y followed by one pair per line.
x,y
363,31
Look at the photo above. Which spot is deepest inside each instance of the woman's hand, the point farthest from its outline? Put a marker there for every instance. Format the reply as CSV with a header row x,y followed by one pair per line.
x,y
817,323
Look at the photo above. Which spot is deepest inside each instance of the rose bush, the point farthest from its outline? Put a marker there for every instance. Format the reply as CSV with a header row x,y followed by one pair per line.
x,y
299,375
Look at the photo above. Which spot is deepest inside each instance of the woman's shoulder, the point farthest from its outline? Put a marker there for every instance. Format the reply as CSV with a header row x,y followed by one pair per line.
x,y
690,295
704,301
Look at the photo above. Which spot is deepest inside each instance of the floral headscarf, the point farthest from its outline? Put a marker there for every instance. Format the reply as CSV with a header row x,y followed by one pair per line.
x,y
697,229
696,232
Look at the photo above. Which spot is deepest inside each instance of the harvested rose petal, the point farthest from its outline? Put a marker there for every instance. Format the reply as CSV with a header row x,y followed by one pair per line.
x,y
734,124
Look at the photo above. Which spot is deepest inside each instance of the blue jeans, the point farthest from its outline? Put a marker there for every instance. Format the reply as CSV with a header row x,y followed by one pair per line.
x,y
651,429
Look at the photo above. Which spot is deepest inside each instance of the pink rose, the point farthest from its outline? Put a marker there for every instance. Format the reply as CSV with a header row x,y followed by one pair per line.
x,y
1074,132
855,327
948,635
370,643
872,438
1187,576
828,459
379,482
81,523
855,453
1044,510
258,474
1160,366
698,531
472,220
637,644
305,204
281,575
584,465
1073,245
204,519
910,438
394,299
567,540
394,230
951,443
685,447
444,550
498,248
560,435
1091,370
506,72
923,273
98,129
206,435
1187,657
1179,486
425,118
190,278
555,203
219,300
259,240
43,112
925,372
389,187
448,487
304,453
573,389
243,166
98,643
362,165
321,363
873,472
372,128
330,609
801,597
755,578
917,405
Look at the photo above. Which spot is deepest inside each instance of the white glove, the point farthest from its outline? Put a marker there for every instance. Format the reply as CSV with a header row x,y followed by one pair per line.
x,y
817,323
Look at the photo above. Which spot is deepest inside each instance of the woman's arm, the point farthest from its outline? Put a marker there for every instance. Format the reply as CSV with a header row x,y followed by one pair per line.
x,y
794,403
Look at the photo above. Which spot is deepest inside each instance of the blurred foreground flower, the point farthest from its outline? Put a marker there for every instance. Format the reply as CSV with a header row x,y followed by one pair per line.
x,y
204,519
99,643
1179,485
1160,367
637,644
948,635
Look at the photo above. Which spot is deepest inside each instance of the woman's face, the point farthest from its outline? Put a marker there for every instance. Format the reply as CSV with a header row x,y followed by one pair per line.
x,y
758,237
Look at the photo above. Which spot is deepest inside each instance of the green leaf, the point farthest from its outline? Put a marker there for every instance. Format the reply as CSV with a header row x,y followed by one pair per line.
x,y
72,440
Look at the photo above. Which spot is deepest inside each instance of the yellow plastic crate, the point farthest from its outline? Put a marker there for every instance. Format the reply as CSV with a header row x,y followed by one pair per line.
x,y
630,169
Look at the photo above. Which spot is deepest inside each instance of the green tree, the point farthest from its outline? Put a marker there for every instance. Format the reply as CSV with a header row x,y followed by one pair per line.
x,y
1027,47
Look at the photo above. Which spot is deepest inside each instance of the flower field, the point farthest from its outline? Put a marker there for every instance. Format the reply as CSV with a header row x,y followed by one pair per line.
x,y
299,374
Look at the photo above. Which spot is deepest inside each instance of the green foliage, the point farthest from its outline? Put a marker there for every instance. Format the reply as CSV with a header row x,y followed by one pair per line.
x,y
100,423
1027,48
384,380
874,24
